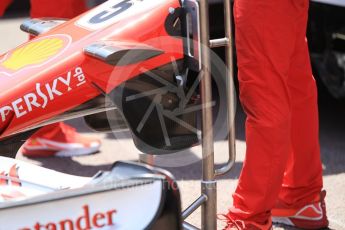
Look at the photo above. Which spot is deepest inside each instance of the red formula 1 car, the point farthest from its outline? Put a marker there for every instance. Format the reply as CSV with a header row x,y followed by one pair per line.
x,y
130,60
120,55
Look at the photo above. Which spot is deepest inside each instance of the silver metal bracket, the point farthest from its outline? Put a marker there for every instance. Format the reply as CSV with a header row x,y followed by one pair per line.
x,y
192,44
37,26
121,53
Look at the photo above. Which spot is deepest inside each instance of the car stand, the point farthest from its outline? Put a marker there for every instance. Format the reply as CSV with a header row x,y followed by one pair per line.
x,y
208,199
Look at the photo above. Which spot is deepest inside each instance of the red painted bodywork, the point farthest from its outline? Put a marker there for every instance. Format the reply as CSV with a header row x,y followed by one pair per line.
x,y
147,27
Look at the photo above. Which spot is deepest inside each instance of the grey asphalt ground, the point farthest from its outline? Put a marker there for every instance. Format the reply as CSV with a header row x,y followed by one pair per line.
x,y
118,146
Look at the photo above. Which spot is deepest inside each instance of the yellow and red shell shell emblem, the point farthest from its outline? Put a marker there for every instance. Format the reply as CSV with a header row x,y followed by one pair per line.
x,y
34,53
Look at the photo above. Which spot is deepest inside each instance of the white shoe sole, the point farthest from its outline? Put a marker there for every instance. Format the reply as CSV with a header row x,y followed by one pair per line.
x,y
77,152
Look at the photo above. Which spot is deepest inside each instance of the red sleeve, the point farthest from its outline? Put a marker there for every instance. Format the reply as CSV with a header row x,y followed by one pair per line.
x,y
3,6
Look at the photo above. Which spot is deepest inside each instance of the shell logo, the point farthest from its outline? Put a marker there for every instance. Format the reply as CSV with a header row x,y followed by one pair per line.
x,y
34,53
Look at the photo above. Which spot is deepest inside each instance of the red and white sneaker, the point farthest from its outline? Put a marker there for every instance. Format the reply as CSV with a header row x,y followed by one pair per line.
x,y
232,224
59,140
311,216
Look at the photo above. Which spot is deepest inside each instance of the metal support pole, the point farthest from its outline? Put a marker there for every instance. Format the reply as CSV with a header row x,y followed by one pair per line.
x,y
209,209
231,99
229,54
208,184
194,206
187,226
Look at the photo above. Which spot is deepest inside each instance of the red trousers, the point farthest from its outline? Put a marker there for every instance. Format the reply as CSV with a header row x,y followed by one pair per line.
x,y
51,8
57,8
279,96
3,6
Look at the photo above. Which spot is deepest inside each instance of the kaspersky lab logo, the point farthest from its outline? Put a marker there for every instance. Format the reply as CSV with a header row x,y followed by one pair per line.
x,y
43,95
34,53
